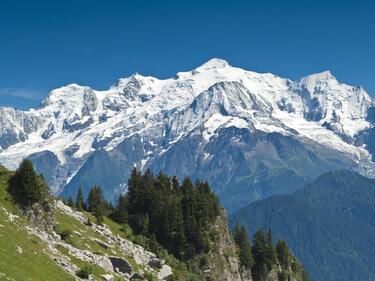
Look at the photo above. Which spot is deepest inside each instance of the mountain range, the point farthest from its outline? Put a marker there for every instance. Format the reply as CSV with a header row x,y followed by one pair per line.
x,y
329,225
249,135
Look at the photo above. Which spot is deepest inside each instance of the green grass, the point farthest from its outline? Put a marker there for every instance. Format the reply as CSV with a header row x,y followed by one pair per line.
x,y
86,242
33,263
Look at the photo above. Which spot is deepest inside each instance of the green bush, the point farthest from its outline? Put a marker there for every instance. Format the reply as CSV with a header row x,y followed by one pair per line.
x,y
84,272
65,234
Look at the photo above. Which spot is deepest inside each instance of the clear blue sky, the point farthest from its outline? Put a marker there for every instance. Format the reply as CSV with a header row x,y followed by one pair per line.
x,y
47,44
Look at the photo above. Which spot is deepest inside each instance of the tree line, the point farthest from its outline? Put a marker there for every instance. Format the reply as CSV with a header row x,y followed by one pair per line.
x,y
262,256
173,214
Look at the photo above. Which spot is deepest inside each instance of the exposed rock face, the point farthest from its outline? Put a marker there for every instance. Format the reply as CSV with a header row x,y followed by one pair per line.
x,y
117,265
41,215
223,262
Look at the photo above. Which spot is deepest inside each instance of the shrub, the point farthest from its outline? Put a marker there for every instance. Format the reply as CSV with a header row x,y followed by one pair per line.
x,y
84,272
65,234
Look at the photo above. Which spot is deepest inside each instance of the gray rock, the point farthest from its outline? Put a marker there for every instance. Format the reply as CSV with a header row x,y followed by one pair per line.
x,y
156,263
19,249
121,264
164,272
107,277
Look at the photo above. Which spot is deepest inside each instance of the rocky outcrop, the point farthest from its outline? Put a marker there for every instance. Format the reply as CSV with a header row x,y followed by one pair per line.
x,y
41,215
147,260
223,263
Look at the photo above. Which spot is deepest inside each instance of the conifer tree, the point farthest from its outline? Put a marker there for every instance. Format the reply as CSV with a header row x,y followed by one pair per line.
x,y
96,203
71,202
263,253
242,241
283,253
120,213
26,187
134,194
176,215
95,198
80,202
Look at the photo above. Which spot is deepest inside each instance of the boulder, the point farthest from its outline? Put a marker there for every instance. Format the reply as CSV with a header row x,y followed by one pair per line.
x,y
156,263
103,262
121,265
107,277
164,272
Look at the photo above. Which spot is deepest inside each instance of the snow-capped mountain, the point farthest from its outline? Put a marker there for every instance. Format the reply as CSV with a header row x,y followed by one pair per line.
x,y
251,135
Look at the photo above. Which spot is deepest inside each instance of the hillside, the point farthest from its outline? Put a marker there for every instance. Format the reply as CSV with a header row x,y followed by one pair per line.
x,y
329,225
251,135
58,242
31,253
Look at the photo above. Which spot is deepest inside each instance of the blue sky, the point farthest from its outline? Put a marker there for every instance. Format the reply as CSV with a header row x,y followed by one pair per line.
x,y
48,44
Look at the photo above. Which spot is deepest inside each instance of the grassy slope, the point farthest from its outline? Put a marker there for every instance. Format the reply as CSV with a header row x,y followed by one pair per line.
x,y
33,263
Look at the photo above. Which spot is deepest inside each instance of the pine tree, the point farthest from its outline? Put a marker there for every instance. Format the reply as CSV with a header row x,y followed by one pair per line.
x,y
134,194
26,187
283,253
178,216
96,203
145,225
264,255
80,202
242,241
120,213
71,202
95,198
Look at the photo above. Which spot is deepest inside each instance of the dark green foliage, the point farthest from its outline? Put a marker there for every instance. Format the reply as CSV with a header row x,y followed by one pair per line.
x,y
95,199
177,215
65,234
26,187
97,204
84,272
282,276
242,241
71,202
283,253
264,255
80,201
120,213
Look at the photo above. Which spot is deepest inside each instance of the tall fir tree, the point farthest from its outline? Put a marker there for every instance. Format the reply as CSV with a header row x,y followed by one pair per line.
x,y
120,213
283,254
80,201
26,187
71,202
264,256
176,215
96,203
244,247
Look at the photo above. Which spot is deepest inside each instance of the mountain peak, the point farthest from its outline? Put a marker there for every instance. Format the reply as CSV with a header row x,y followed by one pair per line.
x,y
309,82
68,93
213,64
